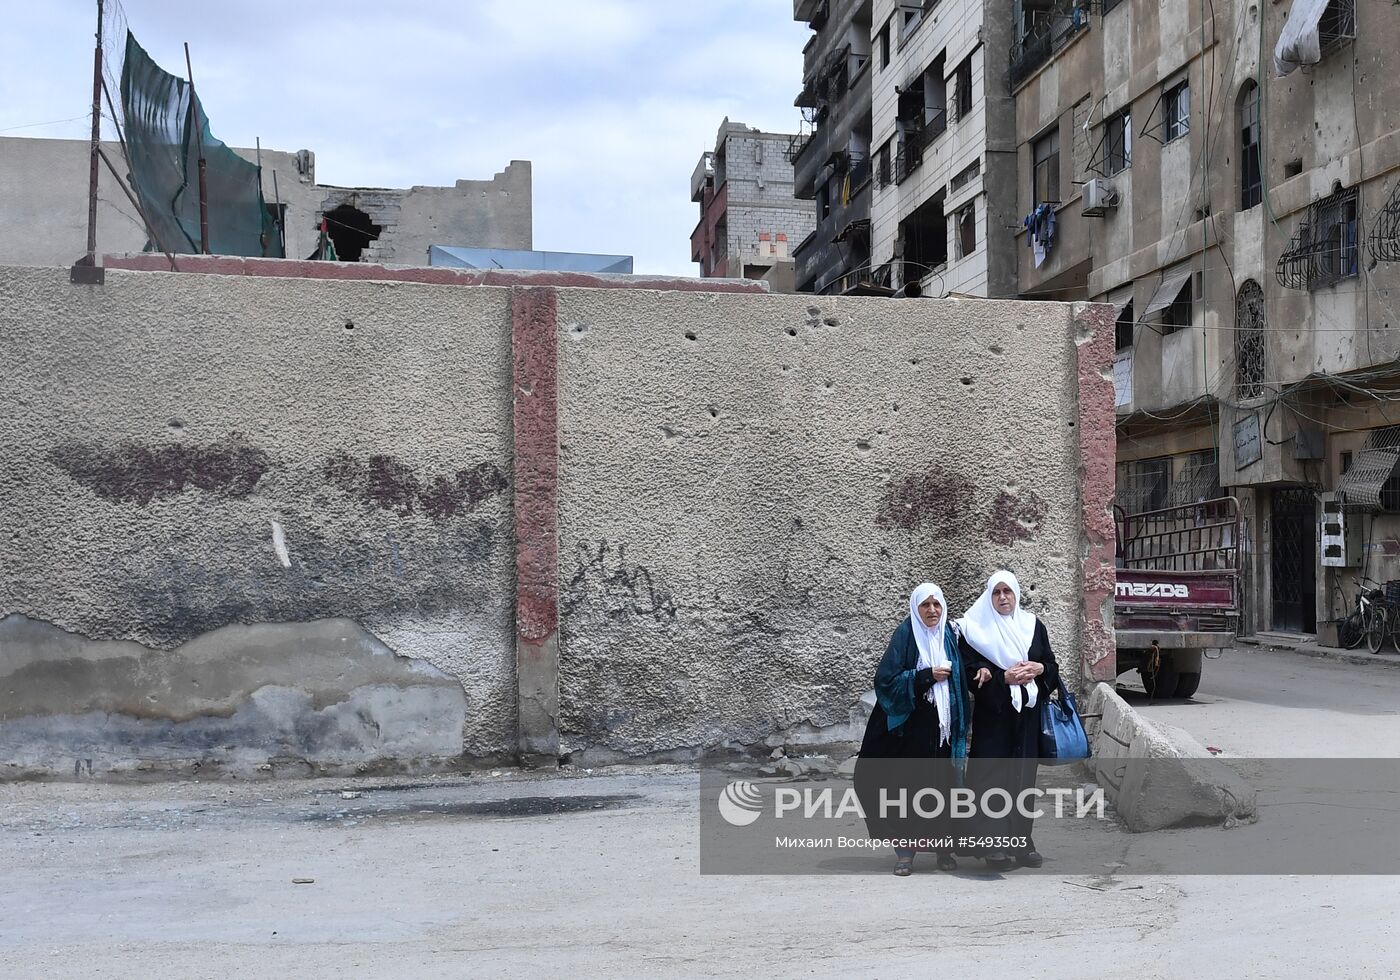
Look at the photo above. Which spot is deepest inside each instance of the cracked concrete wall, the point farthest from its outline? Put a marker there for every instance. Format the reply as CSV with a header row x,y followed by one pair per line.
x,y
187,453
751,486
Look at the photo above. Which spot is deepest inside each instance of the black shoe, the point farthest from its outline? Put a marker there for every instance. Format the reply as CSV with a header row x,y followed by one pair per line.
x,y
997,860
946,862
1029,859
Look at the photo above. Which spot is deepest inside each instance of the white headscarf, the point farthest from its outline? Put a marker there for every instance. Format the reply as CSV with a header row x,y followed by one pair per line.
x,y
932,652
1004,640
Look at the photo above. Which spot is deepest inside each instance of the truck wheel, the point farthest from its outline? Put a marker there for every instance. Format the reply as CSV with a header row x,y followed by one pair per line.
x,y
1186,683
1161,684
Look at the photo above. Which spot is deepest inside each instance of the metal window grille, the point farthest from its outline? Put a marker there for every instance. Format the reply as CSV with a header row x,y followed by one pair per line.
x,y
1325,248
1338,24
1197,479
1114,154
1143,485
1370,482
1384,240
1249,340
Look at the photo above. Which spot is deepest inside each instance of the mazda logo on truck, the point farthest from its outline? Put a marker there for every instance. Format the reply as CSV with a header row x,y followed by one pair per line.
x,y
1152,590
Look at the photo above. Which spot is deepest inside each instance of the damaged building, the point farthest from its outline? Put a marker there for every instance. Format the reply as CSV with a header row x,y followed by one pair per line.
x,y
43,208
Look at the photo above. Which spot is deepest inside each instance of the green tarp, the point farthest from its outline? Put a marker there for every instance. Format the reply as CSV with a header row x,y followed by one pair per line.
x,y
164,147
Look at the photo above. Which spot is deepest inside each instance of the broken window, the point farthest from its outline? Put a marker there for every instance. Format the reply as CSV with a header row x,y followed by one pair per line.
x,y
1123,328
925,237
1178,313
885,46
1045,169
962,89
1338,24
967,230
883,174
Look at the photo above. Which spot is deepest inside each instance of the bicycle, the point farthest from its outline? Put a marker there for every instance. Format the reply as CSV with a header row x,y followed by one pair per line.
x,y
1369,620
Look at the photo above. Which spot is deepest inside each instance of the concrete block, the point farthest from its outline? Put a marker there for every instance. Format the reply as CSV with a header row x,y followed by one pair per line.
x,y
1159,776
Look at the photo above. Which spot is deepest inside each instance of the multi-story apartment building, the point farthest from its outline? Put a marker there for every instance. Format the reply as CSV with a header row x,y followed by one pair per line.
x,y
1246,225
831,157
944,157
749,218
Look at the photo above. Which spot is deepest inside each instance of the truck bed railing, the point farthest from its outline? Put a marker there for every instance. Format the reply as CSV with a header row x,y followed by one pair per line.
x,y
1199,537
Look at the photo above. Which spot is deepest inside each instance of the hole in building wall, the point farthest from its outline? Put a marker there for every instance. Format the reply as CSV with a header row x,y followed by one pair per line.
x,y
714,412
792,331
349,324
690,335
966,381
351,231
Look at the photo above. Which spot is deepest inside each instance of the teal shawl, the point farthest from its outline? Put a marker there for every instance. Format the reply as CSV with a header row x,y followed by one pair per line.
x,y
894,687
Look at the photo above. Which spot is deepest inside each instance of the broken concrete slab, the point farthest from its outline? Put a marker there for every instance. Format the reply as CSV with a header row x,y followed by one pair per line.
x,y
1160,776
325,694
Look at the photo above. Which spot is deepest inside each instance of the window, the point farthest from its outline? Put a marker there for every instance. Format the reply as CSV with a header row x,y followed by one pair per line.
x,y
824,201
885,46
1334,234
1123,328
924,235
962,89
1177,315
1176,111
1338,24
1045,169
967,230
1249,340
1144,484
883,175
970,172
1251,177
1116,149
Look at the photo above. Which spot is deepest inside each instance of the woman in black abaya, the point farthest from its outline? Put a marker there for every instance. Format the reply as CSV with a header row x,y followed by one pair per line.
x,y
1011,670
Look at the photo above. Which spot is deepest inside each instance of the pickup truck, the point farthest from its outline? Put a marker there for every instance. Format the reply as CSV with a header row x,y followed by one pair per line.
x,y
1178,591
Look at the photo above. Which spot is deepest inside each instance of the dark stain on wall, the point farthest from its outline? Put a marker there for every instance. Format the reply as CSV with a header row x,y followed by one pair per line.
x,y
391,484
135,473
1015,518
623,588
920,499
178,597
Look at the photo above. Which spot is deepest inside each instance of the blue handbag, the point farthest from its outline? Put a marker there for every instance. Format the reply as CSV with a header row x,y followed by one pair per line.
x,y
1062,736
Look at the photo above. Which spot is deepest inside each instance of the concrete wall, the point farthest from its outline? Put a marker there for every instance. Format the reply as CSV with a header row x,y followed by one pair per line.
x,y
43,207
267,521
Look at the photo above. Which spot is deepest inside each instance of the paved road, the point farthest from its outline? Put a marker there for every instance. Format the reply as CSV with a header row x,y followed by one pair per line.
x,y
477,876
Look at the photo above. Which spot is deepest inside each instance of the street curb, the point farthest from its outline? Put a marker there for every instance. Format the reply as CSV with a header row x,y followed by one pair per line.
x,y
1321,653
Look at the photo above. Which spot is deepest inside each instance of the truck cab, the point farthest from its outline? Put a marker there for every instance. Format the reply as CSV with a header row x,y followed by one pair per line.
x,y
1177,592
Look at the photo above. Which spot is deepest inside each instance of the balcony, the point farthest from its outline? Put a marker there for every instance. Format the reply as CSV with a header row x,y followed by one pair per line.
x,y
1045,32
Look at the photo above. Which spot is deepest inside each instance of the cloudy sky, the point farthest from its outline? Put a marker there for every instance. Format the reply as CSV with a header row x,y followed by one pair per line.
x,y
612,100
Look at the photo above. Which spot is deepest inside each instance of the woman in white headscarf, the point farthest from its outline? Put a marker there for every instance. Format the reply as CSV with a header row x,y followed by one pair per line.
x,y
1011,670
921,713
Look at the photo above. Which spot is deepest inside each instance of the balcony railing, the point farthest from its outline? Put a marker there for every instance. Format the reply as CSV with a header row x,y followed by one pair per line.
x,y
1046,32
933,128
910,155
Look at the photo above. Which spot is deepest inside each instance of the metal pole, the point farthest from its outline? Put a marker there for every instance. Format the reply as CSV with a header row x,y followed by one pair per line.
x,y
281,225
91,258
199,135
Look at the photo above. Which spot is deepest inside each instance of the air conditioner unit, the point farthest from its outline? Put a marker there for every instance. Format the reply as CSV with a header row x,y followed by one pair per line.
x,y
1098,197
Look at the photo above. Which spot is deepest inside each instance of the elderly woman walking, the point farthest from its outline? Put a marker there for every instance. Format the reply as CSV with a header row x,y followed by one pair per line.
x,y
921,713
1011,670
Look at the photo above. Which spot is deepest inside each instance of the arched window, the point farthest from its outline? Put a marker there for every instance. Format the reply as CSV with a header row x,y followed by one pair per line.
x,y
1251,172
1249,340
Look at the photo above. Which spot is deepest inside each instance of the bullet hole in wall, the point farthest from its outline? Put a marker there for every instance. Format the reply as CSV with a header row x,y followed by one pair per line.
x,y
176,424
792,331
714,412
894,407
863,445
690,335
913,360
966,381
349,324
814,310
828,384
832,321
